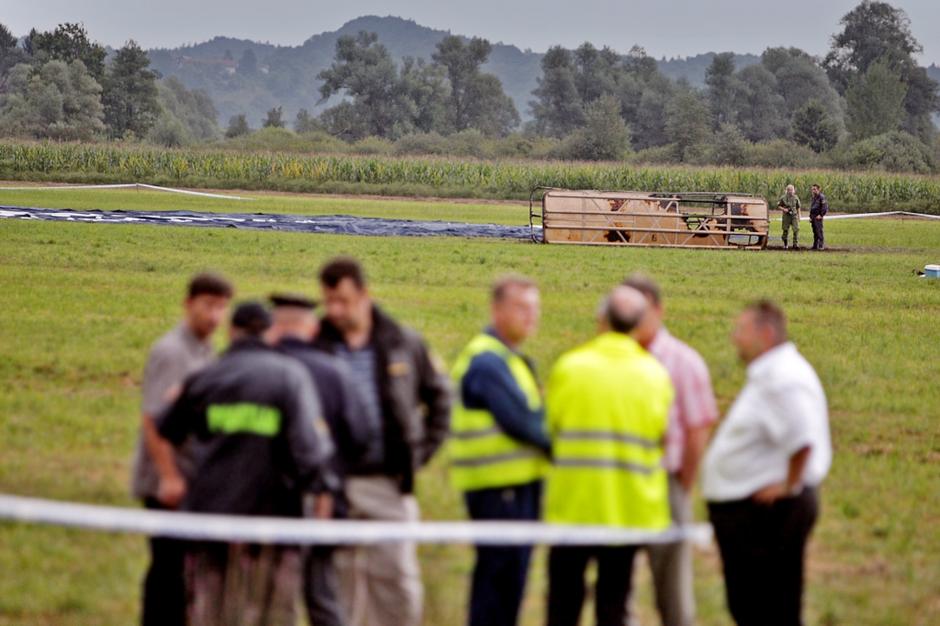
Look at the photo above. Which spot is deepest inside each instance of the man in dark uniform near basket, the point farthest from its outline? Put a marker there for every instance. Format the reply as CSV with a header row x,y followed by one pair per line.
x,y
817,211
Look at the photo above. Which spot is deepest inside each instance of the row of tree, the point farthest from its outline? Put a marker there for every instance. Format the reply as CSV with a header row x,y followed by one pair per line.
x,y
61,85
601,104
868,84
595,103
449,94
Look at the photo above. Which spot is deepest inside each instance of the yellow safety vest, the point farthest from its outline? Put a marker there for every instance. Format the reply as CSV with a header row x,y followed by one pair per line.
x,y
608,404
482,456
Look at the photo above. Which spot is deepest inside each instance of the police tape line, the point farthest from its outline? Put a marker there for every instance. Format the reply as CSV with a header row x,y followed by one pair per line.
x,y
202,194
855,216
279,530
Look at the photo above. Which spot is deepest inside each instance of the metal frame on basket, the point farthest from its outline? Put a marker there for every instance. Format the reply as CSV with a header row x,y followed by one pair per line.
x,y
710,222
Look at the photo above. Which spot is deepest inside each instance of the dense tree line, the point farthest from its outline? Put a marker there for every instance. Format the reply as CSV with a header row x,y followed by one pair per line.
x,y
867,102
868,94
868,86
62,85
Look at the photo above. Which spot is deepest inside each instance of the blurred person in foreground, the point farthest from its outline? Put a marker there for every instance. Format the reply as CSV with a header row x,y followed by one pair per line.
x,y
264,445
607,411
185,349
294,327
691,417
763,469
498,446
405,399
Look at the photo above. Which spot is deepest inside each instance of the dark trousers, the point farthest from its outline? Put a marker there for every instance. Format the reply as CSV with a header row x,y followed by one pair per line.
x,y
819,240
566,589
499,574
164,601
321,588
762,549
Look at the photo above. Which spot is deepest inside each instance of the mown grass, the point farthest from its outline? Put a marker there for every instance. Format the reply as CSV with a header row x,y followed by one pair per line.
x,y
82,302
302,204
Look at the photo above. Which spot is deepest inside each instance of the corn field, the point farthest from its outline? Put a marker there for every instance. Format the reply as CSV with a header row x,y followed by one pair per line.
x,y
500,179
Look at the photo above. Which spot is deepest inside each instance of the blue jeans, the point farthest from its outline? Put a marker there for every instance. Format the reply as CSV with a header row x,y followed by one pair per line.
x,y
500,572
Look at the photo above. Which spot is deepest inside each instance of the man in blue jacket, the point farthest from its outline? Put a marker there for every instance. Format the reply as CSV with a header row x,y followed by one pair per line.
x,y
294,328
499,445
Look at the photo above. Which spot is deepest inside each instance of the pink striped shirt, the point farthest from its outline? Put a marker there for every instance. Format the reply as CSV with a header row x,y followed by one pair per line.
x,y
694,405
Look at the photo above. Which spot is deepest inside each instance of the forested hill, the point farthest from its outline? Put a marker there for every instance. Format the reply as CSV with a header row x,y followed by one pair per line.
x,y
286,75
244,76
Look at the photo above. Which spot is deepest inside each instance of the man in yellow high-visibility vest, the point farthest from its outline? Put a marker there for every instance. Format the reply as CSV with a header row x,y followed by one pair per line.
x,y
608,406
498,447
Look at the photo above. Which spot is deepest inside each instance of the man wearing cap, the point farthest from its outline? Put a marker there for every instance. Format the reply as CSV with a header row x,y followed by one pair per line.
x,y
183,350
264,444
294,328
406,406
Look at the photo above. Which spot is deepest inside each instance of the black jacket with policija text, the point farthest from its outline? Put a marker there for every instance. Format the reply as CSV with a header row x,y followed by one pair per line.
x,y
264,440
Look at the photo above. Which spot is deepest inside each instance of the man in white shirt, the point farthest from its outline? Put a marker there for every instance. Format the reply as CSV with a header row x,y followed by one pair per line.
x,y
762,471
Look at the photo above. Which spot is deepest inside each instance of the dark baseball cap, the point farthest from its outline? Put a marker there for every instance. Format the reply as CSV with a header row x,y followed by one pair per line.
x,y
251,317
296,300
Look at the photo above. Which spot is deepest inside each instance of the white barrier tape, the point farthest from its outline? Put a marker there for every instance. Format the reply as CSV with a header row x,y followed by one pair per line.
x,y
850,216
203,194
279,530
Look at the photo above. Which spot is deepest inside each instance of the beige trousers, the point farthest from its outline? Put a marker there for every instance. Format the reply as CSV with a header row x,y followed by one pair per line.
x,y
671,566
380,584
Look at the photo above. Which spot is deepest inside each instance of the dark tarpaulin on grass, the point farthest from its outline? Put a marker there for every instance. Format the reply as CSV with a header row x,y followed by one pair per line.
x,y
331,224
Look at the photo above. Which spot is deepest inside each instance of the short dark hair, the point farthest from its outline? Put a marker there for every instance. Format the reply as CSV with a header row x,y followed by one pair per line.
x,y
209,284
341,267
767,313
505,283
645,285
816,185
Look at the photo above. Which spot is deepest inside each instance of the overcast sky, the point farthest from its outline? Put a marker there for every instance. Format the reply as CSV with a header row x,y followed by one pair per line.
x,y
663,27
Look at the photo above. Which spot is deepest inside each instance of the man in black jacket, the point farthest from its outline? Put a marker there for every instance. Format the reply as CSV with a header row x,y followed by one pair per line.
x,y
263,445
817,211
294,327
406,403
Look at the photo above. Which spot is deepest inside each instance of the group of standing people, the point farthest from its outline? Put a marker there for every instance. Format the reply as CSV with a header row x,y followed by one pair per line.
x,y
790,206
332,417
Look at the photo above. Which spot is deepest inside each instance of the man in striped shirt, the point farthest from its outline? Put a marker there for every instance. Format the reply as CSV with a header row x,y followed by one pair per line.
x,y
691,417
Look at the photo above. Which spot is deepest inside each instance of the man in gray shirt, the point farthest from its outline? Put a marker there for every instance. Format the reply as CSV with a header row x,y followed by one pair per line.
x,y
180,352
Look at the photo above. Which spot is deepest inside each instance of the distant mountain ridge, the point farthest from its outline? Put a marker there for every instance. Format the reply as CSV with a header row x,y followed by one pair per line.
x,y
287,75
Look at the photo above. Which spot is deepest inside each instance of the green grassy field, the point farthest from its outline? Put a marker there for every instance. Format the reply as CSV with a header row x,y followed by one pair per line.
x,y
301,204
82,302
